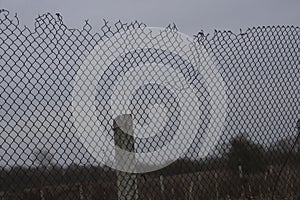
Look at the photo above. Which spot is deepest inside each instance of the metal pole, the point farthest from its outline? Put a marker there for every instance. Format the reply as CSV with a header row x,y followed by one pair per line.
x,y
124,140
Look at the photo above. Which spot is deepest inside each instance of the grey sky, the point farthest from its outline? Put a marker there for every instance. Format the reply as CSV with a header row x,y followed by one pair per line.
x,y
190,16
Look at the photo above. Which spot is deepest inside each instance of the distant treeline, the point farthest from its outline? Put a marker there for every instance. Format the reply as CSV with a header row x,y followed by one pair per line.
x,y
243,156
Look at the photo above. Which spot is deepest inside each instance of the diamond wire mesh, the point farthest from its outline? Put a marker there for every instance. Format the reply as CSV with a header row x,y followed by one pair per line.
x,y
44,157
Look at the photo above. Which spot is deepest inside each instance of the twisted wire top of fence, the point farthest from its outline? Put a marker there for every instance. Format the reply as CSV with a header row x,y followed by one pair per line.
x,y
253,77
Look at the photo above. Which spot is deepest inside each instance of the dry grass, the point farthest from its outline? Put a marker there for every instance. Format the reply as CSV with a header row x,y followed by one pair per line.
x,y
214,185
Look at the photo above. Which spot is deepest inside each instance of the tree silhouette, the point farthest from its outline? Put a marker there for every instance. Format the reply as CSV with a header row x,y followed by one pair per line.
x,y
246,156
43,158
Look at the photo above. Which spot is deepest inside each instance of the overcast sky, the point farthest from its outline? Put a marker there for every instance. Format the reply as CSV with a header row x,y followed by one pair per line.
x,y
190,16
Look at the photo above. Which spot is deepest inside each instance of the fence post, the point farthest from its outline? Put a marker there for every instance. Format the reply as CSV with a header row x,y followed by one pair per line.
x,y
162,187
124,140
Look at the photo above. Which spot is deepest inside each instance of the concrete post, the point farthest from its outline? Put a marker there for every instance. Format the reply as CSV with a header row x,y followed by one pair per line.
x,y
124,140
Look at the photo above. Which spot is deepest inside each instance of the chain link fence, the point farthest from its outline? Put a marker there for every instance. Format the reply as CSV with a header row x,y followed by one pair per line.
x,y
132,112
